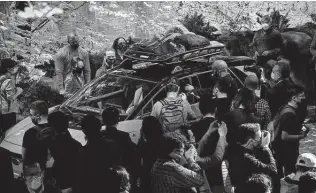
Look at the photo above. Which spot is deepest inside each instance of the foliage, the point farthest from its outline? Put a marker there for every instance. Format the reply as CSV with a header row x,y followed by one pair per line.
x,y
237,43
279,22
48,67
37,90
196,23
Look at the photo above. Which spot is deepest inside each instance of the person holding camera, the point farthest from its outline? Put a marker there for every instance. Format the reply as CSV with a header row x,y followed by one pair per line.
x,y
211,152
72,61
176,169
251,155
267,42
289,132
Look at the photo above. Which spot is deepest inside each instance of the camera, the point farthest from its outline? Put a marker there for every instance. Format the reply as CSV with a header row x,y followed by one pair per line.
x,y
254,68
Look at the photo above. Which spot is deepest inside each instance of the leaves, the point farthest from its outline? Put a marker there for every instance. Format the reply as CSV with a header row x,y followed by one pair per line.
x,y
196,23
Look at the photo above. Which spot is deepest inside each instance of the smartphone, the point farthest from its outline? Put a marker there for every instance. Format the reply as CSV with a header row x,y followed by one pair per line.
x,y
265,133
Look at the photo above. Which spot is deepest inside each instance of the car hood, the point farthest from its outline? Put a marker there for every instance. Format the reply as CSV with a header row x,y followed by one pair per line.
x,y
14,137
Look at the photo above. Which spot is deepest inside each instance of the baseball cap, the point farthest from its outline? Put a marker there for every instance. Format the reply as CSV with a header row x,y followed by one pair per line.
x,y
251,82
306,160
109,53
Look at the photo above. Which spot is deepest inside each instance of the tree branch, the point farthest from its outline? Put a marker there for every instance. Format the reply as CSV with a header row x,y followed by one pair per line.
x,y
85,2
44,22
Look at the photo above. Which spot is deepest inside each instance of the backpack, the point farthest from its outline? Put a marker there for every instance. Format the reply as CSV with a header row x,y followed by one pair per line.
x,y
172,114
274,125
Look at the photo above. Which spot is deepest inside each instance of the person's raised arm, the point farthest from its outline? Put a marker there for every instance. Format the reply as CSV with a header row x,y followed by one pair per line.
x,y
217,157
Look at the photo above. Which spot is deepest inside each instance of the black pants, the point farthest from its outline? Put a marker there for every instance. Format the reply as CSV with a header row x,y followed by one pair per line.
x,y
7,121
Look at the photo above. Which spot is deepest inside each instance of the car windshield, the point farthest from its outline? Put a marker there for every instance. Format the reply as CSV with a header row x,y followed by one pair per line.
x,y
119,89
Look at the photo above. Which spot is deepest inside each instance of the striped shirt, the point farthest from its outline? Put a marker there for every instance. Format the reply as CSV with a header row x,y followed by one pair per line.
x,y
170,177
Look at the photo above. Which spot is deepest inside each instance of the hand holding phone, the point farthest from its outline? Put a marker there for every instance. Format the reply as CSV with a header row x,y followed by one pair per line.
x,y
222,129
265,139
191,154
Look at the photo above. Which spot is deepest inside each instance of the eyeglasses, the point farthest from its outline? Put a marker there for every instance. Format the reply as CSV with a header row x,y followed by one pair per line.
x,y
32,176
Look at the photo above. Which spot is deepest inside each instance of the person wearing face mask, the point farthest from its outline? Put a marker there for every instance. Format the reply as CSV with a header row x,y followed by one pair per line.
x,y
220,91
65,58
262,106
251,155
35,181
277,95
8,94
120,46
33,150
267,42
74,81
175,170
289,132
220,68
108,63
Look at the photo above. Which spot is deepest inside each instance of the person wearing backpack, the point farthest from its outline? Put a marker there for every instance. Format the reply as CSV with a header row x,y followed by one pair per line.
x,y
287,132
8,93
173,111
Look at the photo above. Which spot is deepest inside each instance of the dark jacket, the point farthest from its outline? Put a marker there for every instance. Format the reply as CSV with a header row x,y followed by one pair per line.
x,y
92,166
211,152
234,119
6,176
148,152
127,150
243,163
64,150
277,96
268,41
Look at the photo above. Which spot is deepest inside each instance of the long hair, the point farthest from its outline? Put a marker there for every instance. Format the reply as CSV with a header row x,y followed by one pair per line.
x,y
245,97
115,43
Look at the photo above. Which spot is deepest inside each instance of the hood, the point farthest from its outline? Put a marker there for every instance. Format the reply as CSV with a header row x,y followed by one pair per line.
x,y
288,185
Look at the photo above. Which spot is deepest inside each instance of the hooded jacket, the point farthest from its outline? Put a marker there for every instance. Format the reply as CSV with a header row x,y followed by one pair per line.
x,y
288,185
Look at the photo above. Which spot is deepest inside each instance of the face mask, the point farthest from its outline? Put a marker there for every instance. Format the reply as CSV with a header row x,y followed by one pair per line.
x,y
35,120
121,46
78,70
74,45
265,26
36,183
110,62
274,76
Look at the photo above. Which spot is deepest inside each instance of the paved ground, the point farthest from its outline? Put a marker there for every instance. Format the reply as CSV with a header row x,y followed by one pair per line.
x,y
309,143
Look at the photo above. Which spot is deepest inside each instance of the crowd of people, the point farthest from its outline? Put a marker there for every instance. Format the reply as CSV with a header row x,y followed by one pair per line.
x,y
244,142
237,146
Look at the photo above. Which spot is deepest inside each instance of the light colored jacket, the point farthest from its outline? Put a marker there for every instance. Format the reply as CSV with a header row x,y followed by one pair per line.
x,y
63,64
288,185
8,97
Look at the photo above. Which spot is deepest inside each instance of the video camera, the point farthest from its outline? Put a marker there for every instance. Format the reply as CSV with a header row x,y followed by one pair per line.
x,y
255,69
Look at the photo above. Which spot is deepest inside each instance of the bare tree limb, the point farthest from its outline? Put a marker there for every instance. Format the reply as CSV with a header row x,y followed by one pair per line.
x,y
85,2
44,22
